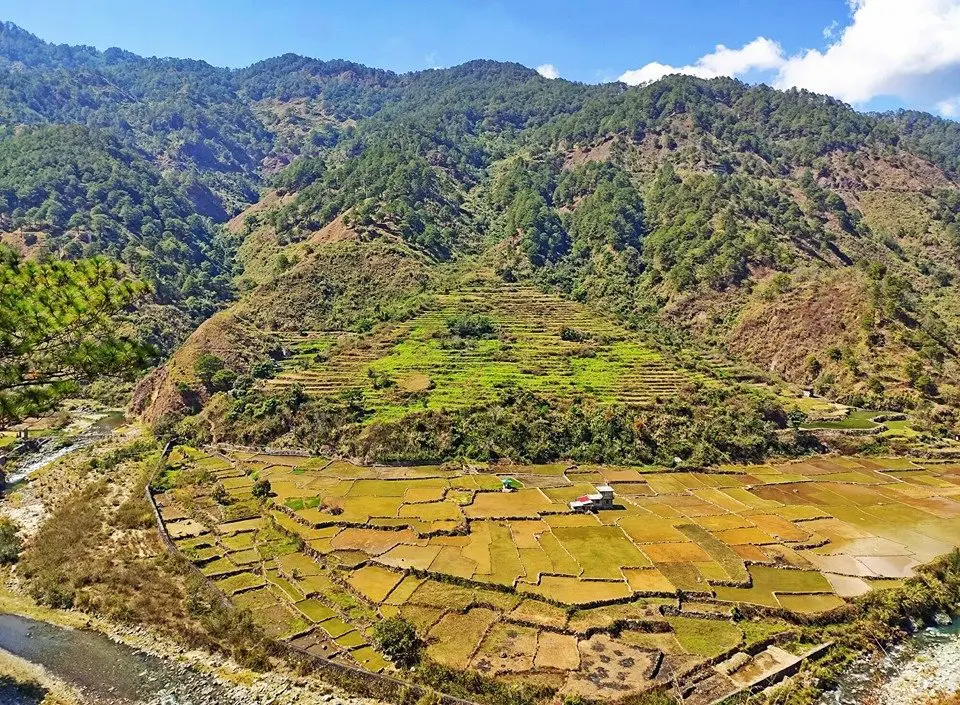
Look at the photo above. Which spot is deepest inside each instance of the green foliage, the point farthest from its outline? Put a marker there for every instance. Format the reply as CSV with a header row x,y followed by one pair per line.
x,y
702,426
650,202
699,235
610,216
213,374
261,489
231,630
92,196
220,495
397,639
58,328
573,335
10,544
206,367
473,325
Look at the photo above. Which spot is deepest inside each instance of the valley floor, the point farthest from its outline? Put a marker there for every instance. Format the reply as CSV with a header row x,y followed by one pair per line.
x,y
41,499
705,579
709,579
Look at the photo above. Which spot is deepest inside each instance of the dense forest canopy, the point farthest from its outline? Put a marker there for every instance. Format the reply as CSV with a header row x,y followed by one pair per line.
x,y
206,122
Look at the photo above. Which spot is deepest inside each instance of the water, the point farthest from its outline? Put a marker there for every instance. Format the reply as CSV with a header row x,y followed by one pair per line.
x,y
107,673
925,665
51,452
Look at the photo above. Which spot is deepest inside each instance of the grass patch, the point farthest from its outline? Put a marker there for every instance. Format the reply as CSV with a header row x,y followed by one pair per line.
x,y
705,637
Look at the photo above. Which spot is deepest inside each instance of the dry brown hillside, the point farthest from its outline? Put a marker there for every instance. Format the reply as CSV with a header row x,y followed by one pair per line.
x,y
162,392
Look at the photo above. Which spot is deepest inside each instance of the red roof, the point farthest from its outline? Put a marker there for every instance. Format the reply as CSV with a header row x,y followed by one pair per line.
x,y
584,499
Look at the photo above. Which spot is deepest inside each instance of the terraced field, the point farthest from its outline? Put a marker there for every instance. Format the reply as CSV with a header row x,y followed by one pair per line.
x,y
415,365
514,584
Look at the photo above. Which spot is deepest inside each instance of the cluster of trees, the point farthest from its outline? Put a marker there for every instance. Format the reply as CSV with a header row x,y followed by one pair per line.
x,y
91,196
580,230
709,229
59,328
388,185
782,127
702,426
403,149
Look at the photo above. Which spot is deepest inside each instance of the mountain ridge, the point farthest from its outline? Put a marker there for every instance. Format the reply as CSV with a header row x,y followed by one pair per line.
x,y
721,219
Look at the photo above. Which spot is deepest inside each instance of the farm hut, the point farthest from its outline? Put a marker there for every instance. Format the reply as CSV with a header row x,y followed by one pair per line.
x,y
606,497
509,484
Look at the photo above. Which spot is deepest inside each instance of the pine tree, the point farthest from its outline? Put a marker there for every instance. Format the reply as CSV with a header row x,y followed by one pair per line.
x,y
59,328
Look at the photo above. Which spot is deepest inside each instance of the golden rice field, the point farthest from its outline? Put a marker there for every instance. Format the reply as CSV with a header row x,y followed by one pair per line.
x,y
514,584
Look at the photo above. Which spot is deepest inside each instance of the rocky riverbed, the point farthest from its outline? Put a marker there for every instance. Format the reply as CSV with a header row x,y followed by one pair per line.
x,y
103,671
922,667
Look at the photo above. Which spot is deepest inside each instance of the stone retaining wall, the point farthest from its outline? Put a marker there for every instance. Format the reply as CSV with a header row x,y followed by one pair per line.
x,y
378,685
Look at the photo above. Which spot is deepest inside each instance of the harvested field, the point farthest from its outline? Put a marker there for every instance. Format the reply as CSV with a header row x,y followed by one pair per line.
x,y
517,586
456,636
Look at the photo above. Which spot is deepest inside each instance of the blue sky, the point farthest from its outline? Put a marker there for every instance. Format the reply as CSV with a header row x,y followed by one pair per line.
x,y
597,41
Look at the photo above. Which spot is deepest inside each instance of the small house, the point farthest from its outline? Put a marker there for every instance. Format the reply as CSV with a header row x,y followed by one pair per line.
x,y
602,499
606,497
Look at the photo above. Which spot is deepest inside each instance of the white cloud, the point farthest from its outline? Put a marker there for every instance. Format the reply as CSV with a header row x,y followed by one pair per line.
x,y
548,71
908,49
949,107
761,54
904,49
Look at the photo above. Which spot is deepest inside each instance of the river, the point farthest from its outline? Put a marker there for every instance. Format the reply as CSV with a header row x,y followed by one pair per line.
x,y
54,449
925,665
107,673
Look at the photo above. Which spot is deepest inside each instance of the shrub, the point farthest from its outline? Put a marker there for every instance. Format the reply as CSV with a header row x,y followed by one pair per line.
x,y
206,367
398,640
10,543
473,325
264,369
261,489
222,380
573,335
221,496
380,380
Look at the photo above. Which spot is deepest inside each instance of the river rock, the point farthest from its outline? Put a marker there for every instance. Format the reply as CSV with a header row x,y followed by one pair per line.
x,y
942,619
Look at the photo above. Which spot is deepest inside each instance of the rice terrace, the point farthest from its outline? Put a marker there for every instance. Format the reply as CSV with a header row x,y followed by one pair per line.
x,y
481,335
695,580
466,365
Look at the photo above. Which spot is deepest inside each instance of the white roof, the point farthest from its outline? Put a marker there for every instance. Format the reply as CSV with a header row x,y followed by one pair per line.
x,y
604,488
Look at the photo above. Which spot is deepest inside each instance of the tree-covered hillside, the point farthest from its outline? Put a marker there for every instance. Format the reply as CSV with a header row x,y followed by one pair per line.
x,y
730,223
70,192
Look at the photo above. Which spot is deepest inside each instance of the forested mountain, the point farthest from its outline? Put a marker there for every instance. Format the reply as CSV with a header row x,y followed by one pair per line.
x,y
69,191
726,225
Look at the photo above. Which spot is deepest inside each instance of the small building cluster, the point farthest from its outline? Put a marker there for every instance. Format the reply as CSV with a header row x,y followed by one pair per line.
x,y
592,502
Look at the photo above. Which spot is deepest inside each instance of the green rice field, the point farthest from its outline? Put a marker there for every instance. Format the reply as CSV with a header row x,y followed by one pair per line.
x,y
514,584
857,419
417,364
